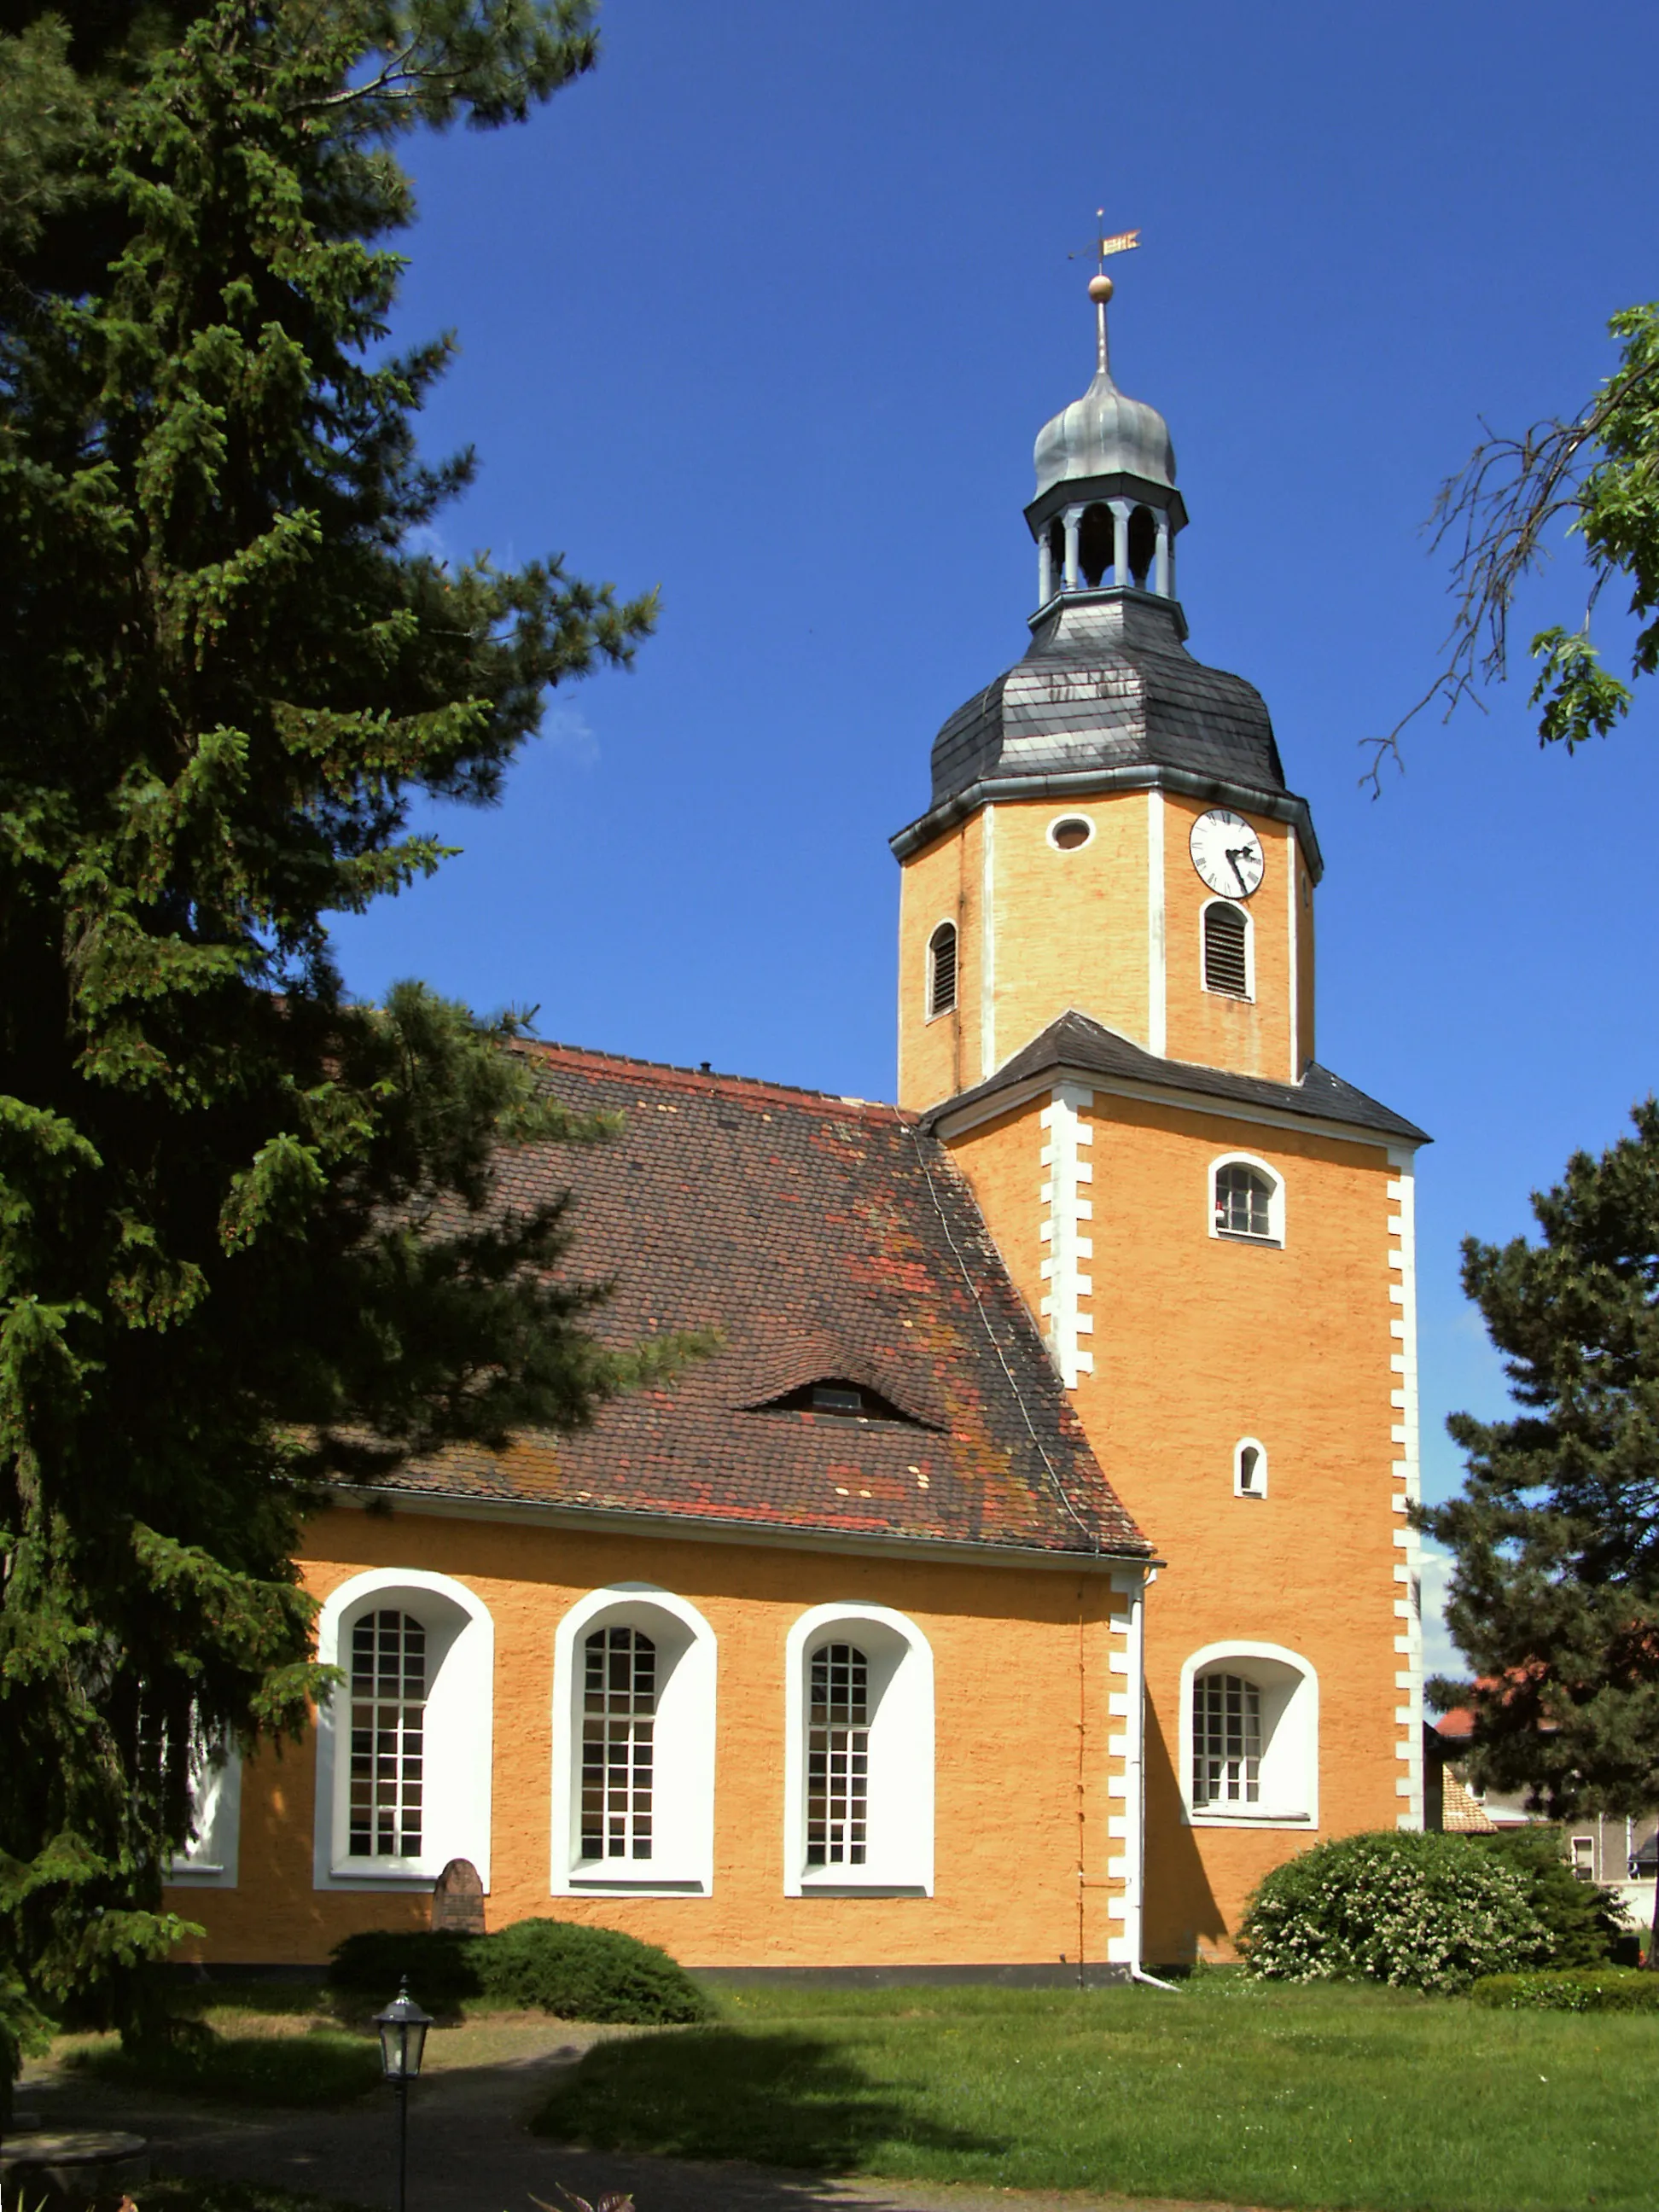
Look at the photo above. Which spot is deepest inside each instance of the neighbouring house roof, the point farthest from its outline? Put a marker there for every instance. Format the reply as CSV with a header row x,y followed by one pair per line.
x,y
1462,1811
827,1239
1076,1043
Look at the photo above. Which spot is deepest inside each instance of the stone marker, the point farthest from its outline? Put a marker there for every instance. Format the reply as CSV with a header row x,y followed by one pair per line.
x,y
458,1899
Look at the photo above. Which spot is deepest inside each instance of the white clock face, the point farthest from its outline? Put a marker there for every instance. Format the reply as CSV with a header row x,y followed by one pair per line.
x,y
1227,853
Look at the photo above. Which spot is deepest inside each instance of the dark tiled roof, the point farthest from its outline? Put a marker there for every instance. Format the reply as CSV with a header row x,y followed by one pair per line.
x,y
1075,1041
817,1233
1109,684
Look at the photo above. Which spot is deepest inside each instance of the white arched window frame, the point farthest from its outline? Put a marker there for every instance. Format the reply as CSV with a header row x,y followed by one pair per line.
x,y
1287,1721
458,1734
944,969
1275,1182
682,1860
1237,907
1249,1467
899,1702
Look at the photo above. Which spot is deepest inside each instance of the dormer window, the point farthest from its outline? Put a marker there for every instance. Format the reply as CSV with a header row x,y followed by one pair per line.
x,y
836,1398
942,971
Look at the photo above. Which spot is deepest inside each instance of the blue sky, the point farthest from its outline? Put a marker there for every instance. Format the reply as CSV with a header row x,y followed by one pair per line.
x,y
769,311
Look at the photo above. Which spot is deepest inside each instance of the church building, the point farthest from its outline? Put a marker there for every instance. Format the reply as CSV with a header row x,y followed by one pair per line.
x,y
1028,1570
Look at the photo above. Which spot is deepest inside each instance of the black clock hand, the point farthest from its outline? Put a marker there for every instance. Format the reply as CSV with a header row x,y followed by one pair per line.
x,y
1235,853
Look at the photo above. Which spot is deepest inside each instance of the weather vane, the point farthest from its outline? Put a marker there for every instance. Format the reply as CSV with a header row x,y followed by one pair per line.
x,y
1100,284
1121,242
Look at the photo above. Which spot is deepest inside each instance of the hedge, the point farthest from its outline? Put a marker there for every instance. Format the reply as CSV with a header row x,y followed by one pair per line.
x,y
1573,1989
547,1966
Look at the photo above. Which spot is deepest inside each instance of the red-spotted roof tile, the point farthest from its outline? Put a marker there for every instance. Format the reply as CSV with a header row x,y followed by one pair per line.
x,y
827,1239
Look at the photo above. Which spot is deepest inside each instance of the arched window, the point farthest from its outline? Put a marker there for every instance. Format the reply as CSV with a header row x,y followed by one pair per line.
x,y
1057,553
1249,1736
619,1710
404,1745
386,1789
1248,1201
837,1756
1227,949
1226,1740
1249,1468
942,969
634,1679
1097,540
858,1753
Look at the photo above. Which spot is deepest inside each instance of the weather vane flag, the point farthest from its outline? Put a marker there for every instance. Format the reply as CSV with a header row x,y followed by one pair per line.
x,y
1100,285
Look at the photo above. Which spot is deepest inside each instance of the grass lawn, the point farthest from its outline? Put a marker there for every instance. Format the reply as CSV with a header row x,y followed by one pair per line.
x,y
323,2066
1333,2098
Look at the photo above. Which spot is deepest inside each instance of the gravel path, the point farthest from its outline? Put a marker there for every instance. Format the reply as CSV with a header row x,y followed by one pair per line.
x,y
469,2150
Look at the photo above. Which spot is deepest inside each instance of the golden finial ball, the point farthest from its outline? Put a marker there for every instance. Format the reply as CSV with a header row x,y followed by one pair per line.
x,y
1100,287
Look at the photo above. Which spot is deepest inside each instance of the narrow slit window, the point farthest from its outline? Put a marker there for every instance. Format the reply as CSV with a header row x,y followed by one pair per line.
x,y
388,1737
838,1757
1252,1471
1226,1740
619,1720
1226,950
1244,1201
942,969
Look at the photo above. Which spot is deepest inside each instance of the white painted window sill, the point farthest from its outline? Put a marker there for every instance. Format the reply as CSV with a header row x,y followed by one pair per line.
x,y
1253,1819
843,1886
583,1884
384,1870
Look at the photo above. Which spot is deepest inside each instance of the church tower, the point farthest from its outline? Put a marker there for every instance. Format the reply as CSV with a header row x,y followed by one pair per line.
x,y
1106,1010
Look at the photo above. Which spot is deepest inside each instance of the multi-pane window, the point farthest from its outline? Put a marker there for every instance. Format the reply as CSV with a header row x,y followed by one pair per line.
x,y
388,1737
1244,1201
837,1756
942,969
1226,1740
619,1709
1226,950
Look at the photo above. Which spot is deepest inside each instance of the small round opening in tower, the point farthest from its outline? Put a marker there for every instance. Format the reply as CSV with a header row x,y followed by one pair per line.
x,y
1069,831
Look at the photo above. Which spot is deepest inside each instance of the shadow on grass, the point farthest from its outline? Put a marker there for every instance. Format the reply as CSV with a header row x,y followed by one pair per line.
x,y
321,2069
783,2099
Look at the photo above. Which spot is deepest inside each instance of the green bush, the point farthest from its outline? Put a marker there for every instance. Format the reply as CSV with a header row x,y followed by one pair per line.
x,y
546,1965
1576,1989
440,1967
1419,1911
1582,1920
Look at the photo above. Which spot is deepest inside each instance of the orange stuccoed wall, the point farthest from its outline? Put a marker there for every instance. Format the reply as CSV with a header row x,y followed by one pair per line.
x,y
1044,930
1198,1342
1026,1781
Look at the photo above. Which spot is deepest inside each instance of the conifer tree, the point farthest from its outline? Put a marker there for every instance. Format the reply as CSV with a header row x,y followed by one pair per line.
x,y
251,1240
1553,1596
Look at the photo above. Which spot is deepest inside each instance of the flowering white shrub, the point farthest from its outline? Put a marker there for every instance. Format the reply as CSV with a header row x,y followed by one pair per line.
x,y
1421,1912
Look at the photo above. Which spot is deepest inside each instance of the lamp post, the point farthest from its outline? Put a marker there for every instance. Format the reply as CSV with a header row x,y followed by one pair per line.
x,y
402,2028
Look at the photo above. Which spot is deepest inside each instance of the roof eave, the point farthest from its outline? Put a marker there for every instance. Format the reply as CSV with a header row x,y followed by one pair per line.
x,y
1140,775
461,1505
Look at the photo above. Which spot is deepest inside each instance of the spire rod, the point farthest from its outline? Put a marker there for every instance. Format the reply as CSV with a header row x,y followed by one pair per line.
x,y
1100,284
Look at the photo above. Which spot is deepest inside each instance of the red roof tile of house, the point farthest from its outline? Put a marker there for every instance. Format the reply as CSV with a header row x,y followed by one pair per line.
x,y
827,1239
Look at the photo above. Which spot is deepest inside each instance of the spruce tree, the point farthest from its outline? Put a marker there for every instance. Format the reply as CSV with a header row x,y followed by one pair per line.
x,y
1553,1596
251,1239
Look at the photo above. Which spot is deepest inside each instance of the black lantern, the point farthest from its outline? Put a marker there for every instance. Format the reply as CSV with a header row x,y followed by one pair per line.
x,y
402,2028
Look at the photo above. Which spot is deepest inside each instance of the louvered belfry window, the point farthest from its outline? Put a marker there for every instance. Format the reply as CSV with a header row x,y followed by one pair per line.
x,y
838,1757
942,969
388,1737
619,1720
1226,958
1226,1740
1244,1201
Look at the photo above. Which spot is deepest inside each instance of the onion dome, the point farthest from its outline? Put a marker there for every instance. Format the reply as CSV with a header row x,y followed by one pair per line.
x,y
1104,434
